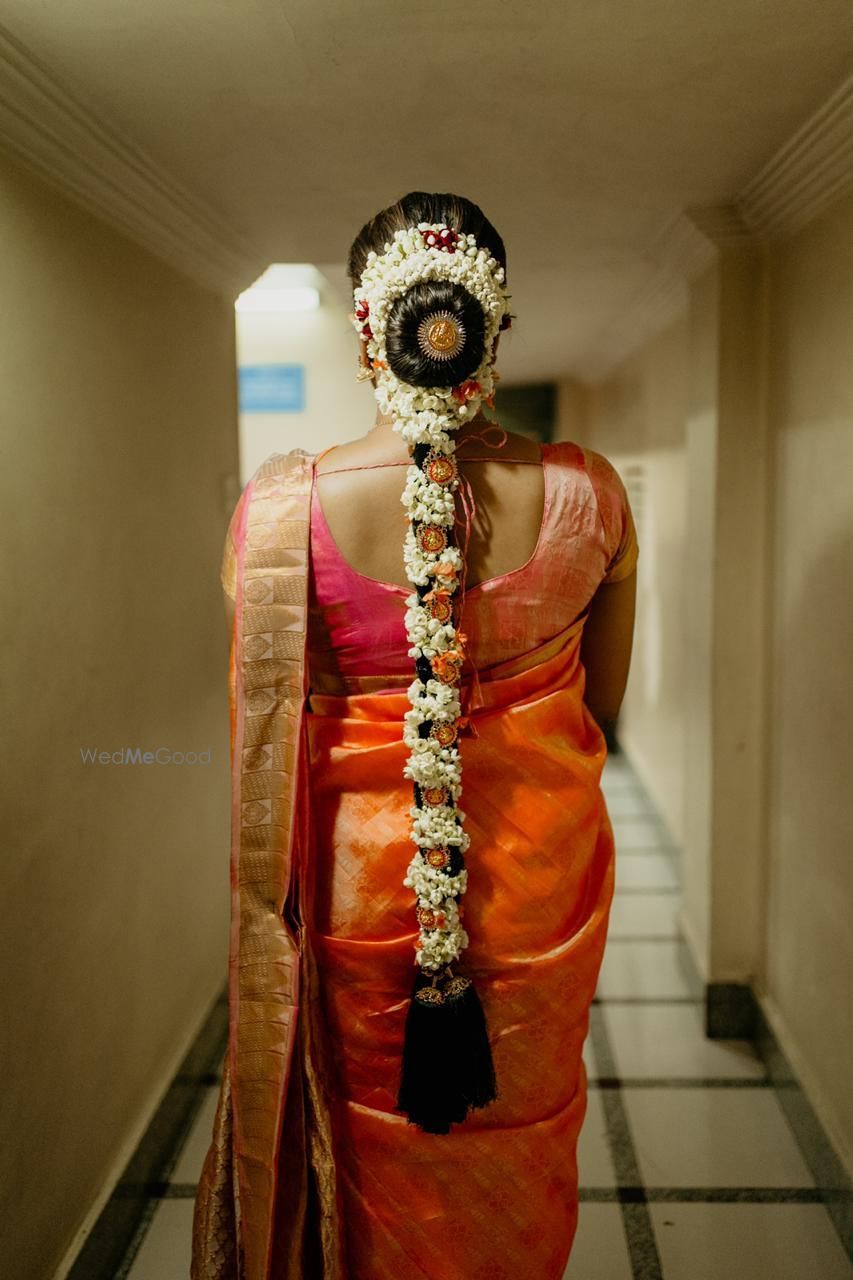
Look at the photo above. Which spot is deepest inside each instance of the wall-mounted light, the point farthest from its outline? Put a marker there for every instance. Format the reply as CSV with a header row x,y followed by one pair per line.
x,y
297,299
282,287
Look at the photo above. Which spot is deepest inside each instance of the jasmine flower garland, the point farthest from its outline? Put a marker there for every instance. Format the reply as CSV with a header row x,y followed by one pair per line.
x,y
426,418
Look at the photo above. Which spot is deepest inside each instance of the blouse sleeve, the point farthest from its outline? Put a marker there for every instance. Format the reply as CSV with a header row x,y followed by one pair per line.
x,y
616,516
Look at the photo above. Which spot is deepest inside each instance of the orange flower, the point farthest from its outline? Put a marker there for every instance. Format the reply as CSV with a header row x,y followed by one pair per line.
x,y
466,390
445,666
447,572
440,604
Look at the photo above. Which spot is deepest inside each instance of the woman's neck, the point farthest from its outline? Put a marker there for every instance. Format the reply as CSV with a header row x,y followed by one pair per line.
x,y
382,432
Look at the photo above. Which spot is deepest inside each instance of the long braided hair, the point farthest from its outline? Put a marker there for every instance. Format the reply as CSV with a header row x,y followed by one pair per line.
x,y
429,293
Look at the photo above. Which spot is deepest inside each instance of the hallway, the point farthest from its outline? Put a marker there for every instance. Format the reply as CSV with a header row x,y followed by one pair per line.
x,y
180,190
688,1167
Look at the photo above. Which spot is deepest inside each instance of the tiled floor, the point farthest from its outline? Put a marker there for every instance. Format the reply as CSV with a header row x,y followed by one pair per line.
x,y
688,1168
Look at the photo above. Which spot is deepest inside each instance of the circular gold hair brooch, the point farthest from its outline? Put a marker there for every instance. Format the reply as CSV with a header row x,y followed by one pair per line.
x,y
435,795
432,538
444,733
441,336
438,858
440,468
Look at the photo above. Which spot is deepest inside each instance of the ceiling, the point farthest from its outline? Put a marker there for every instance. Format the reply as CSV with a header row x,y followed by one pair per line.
x,y
582,129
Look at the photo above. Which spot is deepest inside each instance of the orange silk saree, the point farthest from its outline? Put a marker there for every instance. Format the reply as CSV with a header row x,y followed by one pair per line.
x,y
311,1171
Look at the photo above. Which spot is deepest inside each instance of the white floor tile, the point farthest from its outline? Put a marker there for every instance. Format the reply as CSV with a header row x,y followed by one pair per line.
x,y
624,803
589,1058
189,1162
651,969
646,870
166,1249
639,833
616,771
625,800
617,762
713,1138
668,1040
641,914
619,774
599,1251
595,1166
748,1242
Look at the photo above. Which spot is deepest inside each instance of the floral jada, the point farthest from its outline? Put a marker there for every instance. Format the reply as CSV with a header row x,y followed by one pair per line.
x,y
426,418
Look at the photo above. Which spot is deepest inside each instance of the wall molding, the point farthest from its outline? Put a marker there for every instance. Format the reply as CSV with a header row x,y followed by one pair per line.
x,y
811,170
55,135
679,253
799,181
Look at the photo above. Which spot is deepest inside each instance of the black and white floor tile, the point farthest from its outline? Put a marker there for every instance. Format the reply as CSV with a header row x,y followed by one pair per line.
x,y
688,1167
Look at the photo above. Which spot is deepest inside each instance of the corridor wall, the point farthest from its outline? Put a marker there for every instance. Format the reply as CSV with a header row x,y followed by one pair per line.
x,y
809,940
735,424
119,435
637,419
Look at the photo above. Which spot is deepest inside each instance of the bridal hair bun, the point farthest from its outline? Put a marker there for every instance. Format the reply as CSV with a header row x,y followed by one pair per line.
x,y
435,334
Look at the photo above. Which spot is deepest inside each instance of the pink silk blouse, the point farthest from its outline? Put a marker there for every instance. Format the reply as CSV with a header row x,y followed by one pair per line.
x,y
356,623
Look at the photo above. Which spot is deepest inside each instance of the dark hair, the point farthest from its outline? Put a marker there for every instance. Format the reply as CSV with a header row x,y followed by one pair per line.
x,y
405,357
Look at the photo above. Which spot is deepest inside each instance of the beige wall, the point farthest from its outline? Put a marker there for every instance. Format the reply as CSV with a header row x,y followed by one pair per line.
x,y
809,940
701,488
118,411
637,420
734,432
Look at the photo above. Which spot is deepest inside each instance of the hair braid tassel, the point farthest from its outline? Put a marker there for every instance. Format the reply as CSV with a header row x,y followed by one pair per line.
x,y
447,1066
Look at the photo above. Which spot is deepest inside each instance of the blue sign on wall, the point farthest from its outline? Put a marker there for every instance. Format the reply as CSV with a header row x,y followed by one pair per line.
x,y
272,388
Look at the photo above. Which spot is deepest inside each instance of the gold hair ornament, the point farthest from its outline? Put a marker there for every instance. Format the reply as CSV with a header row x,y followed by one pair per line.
x,y
441,336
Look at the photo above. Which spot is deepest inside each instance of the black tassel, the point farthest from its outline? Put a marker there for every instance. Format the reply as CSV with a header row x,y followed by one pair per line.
x,y
447,1058
474,1055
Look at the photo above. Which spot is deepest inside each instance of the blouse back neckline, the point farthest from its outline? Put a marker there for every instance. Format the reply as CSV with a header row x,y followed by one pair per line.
x,y
327,536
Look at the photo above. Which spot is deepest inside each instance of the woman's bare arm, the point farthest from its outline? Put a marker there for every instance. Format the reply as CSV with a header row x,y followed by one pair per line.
x,y
606,647
229,610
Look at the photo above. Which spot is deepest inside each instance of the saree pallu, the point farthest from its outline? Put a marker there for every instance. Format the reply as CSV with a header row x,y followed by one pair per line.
x,y
312,1174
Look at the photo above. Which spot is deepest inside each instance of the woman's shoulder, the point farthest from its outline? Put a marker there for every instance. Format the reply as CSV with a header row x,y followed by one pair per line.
x,y
612,502
604,478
